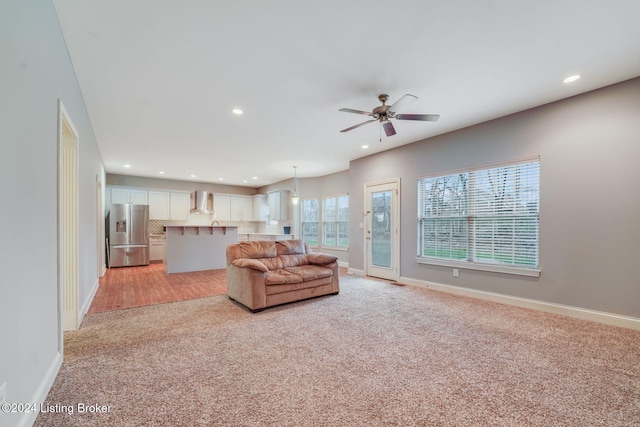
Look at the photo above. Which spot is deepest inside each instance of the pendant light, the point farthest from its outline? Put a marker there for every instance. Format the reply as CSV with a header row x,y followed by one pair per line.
x,y
295,199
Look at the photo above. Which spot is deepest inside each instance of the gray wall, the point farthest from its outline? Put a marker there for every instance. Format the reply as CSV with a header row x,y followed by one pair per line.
x,y
589,147
36,72
172,184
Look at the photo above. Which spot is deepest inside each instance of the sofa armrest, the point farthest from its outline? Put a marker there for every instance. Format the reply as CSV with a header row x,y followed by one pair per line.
x,y
254,264
320,259
247,286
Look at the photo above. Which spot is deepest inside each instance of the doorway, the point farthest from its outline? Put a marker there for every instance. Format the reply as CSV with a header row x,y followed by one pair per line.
x,y
382,229
67,221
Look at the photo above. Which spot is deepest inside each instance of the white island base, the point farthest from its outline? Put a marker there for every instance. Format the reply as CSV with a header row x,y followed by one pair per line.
x,y
196,248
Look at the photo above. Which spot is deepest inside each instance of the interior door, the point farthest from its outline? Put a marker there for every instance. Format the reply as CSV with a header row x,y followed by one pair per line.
x,y
382,237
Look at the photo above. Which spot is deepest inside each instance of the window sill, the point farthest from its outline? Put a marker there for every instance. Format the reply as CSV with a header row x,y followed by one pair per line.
x,y
335,248
482,267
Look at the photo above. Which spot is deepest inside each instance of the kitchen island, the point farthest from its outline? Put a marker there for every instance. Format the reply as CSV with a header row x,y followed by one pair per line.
x,y
198,247
264,236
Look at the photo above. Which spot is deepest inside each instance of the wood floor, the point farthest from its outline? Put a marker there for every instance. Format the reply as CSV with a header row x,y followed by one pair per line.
x,y
127,287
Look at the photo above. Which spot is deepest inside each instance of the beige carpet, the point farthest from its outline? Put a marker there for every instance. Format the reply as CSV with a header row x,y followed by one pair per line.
x,y
374,355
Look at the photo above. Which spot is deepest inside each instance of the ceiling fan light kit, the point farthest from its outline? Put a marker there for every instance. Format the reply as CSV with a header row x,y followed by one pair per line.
x,y
385,112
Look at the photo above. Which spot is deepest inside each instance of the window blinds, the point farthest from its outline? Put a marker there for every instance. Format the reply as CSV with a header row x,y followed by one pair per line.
x,y
488,216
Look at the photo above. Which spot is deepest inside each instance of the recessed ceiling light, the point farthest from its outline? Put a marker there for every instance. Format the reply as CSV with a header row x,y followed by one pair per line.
x,y
161,172
237,111
245,181
255,177
193,176
365,146
127,166
572,78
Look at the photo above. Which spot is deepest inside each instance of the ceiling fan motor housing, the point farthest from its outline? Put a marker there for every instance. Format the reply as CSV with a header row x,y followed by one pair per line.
x,y
381,111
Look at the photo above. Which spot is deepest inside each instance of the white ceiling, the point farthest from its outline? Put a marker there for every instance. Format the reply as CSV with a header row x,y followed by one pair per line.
x,y
160,77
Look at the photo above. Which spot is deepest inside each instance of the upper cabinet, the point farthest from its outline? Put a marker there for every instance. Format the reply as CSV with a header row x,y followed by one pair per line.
x,y
231,207
163,205
241,208
169,205
260,208
176,205
279,205
159,205
129,195
222,207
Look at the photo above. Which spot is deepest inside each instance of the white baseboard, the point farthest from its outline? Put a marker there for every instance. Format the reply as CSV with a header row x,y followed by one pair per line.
x,y
29,418
565,310
87,304
343,264
355,271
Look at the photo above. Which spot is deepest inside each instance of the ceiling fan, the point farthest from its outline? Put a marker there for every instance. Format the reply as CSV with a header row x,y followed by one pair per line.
x,y
385,112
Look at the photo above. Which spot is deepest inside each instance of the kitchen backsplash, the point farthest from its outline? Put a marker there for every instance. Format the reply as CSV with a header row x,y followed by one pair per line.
x,y
156,226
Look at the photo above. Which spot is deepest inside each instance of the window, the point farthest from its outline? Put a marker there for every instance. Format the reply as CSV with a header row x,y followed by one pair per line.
x,y
483,217
309,221
335,221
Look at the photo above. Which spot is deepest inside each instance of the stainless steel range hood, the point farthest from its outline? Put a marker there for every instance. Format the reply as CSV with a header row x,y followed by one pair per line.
x,y
202,202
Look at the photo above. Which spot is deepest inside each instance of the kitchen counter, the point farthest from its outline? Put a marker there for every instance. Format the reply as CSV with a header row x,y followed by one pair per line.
x,y
198,247
264,236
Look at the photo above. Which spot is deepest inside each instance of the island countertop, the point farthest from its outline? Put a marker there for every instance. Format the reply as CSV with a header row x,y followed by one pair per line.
x,y
201,227
198,247
264,236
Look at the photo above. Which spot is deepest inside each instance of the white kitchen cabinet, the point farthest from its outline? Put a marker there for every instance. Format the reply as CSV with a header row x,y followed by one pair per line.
x,y
247,208
279,205
157,248
129,195
260,208
222,207
169,205
180,205
159,205
241,208
235,208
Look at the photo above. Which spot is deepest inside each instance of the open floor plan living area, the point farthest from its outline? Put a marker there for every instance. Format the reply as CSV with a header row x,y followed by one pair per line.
x,y
418,213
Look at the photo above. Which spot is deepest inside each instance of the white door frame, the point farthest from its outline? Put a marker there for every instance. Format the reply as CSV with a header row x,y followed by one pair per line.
x,y
392,273
68,235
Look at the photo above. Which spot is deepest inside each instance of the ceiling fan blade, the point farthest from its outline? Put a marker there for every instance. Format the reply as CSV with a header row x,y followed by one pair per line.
x,y
388,128
350,110
405,100
422,117
358,125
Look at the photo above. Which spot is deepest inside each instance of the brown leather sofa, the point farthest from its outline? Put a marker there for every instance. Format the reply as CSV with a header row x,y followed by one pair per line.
x,y
263,273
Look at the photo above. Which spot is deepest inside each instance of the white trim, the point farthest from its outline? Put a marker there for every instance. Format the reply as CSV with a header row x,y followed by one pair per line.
x,y
395,217
477,266
29,418
565,310
343,264
355,271
334,248
87,304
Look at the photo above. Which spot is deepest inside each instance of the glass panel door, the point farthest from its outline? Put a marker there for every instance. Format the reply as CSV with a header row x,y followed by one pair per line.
x,y
382,230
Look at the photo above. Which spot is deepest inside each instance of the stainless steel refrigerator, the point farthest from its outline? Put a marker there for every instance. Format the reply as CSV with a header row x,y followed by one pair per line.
x,y
128,235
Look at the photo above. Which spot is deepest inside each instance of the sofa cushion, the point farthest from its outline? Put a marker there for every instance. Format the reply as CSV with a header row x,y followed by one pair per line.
x,y
311,272
252,250
280,276
250,263
293,260
290,247
320,259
